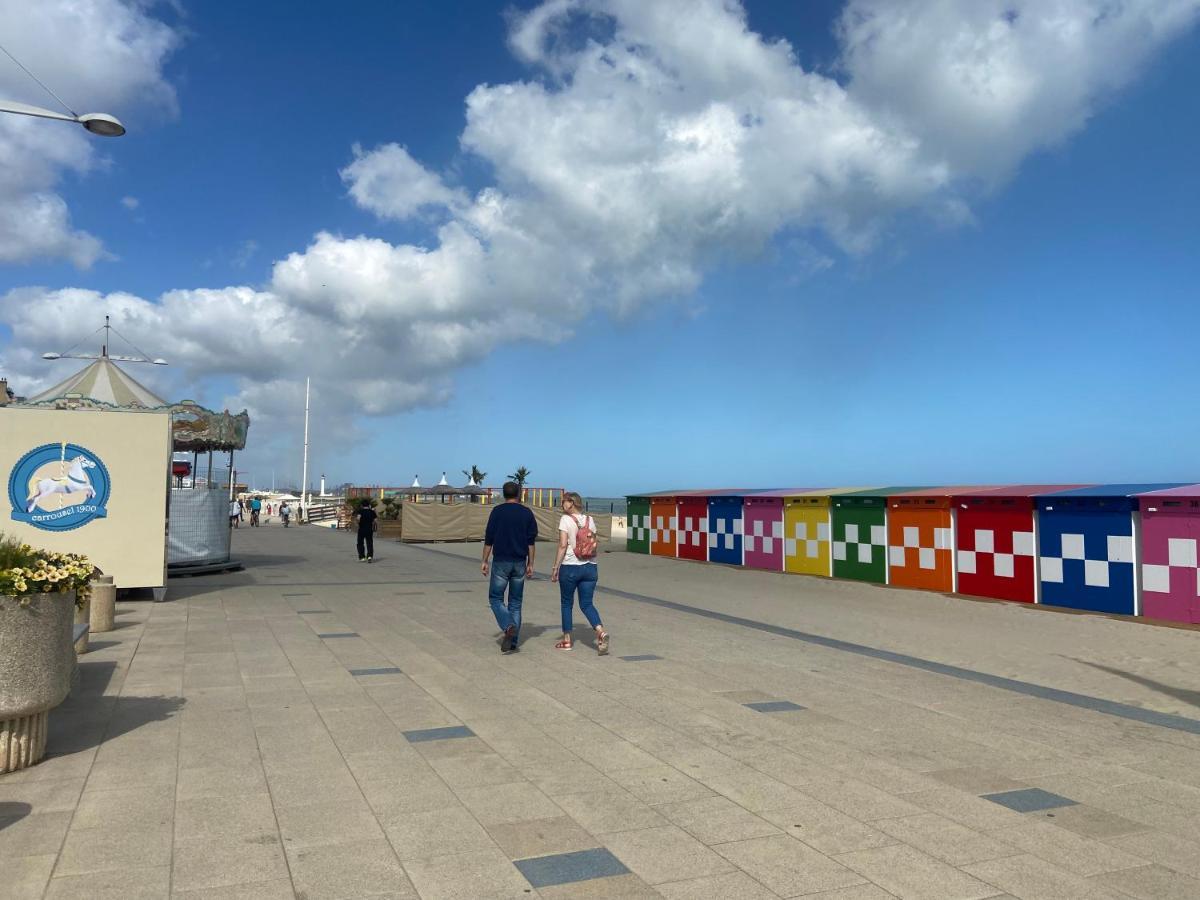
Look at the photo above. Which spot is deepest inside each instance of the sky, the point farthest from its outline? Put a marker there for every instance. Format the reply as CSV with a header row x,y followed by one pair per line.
x,y
628,246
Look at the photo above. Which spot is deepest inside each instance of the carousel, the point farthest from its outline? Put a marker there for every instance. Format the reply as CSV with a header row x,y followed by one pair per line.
x,y
198,530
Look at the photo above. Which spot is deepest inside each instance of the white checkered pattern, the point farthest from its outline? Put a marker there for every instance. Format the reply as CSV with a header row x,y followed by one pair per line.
x,y
764,537
1095,571
863,544
662,529
1003,564
1181,554
721,535
639,526
805,540
693,531
926,556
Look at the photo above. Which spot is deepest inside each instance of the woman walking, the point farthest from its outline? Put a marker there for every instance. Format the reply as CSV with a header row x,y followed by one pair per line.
x,y
575,570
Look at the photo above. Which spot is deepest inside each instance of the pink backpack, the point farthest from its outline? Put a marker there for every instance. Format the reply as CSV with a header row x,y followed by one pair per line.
x,y
585,539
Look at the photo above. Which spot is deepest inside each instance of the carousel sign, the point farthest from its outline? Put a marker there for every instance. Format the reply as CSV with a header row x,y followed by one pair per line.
x,y
58,487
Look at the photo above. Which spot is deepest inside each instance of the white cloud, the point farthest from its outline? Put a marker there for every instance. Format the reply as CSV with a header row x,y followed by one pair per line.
x,y
99,56
245,252
130,202
651,142
393,185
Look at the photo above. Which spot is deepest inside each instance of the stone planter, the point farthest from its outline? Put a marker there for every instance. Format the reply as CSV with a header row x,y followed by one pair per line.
x,y
37,660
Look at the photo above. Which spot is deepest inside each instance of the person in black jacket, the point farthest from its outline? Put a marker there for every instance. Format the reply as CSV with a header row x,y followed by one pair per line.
x,y
508,544
368,521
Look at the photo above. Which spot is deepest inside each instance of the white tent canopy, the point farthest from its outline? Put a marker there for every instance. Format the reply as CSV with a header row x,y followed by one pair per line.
x,y
105,382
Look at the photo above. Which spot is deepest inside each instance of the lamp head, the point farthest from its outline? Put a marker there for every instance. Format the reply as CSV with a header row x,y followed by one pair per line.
x,y
102,124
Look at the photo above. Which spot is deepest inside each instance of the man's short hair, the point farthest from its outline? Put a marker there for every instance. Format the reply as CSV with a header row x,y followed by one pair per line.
x,y
512,490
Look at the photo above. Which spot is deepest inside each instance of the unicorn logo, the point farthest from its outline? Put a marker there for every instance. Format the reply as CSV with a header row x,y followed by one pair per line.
x,y
58,487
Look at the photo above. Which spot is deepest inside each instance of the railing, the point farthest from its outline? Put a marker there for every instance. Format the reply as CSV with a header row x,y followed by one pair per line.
x,y
322,513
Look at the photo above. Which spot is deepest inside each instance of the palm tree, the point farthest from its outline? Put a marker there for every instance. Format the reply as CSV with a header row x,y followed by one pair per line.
x,y
474,475
520,476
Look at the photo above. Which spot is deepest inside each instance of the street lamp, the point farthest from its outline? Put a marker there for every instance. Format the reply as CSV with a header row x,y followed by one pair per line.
x,y
101,124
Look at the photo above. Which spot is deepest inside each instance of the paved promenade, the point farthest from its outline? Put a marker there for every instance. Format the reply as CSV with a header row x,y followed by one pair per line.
x,y
319,728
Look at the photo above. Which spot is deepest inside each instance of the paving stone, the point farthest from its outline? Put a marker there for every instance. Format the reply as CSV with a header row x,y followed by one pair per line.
x,y
261,890
664,854
755,791
660,784
1065,849
296,787
505,803
437,832
788,867
317,824
569,868
59,795
220,781
859,800
438,734
541,837
944,839
910,874
102,849
33,835
826,829
25,877
221,860
1167,850
1150,883
1029,800
478,875
124,884
626,887
609,811
475,770
774,706
716,820
1095,823
147,806
356,869
1034,879
976,780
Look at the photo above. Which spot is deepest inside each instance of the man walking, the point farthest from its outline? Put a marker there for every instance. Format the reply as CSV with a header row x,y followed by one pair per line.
x,y
367,523
509,544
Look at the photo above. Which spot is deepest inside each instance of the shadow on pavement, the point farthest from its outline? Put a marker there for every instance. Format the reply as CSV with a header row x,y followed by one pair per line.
x,y
1190,697
12,812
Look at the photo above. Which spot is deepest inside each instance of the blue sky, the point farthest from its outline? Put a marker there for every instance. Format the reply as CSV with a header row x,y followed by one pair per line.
x,y
1046,336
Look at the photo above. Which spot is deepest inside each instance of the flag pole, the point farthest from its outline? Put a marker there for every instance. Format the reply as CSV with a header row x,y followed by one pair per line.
x,y
304,474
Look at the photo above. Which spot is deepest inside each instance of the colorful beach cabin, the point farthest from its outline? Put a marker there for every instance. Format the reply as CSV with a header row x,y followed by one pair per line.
x,y
921,538
637,533
1170,567
994,541
807,531
860,542
1085,543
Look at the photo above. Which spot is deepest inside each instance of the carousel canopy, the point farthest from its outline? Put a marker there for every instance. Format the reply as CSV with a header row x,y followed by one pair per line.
x,y
104,382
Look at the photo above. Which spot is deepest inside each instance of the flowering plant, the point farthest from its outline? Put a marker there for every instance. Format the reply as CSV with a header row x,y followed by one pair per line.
x,y
25,571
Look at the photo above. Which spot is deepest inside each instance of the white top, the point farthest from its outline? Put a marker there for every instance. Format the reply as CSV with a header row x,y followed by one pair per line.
x,y
570,525
235,508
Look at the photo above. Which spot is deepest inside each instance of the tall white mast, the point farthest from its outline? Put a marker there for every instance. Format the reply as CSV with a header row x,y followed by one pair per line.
x,y
304,498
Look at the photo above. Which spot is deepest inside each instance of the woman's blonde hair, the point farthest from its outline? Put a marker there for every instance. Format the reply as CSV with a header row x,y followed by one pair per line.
x,y
576,500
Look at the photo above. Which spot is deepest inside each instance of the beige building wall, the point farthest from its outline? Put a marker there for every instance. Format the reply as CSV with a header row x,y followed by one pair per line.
x,y
129,543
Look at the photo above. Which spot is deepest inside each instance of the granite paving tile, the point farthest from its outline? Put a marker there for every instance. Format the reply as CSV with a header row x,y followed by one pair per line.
x,y
1032,878
664,854
437,832
788,867
1150,883
912,875
477,875
716,820
357,869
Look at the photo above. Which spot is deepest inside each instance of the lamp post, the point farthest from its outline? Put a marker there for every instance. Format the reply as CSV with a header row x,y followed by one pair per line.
x,y
101,124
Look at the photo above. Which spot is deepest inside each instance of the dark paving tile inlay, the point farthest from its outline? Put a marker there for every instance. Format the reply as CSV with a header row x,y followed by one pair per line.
x,y
297,595
339,634
641,657
459,591
438,734
1029,800
566,868
312,612
383,670
768,706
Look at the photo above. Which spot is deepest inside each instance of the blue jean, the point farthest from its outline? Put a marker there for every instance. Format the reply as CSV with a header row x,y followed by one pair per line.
x,y
582,578
511,575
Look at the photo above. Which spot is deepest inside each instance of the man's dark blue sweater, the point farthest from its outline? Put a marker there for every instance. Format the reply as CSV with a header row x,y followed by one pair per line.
x,y
511,531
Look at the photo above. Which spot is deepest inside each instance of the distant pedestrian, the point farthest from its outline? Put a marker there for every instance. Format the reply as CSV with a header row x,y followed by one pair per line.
x,y
285,512
575,569
235,513
508,544
368,521
255,510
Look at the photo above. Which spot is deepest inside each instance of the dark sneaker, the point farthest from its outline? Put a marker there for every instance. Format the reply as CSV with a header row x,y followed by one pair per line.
x,y
510,638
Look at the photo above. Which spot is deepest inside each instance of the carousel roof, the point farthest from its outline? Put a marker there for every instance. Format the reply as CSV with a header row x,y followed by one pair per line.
x,y
105,382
